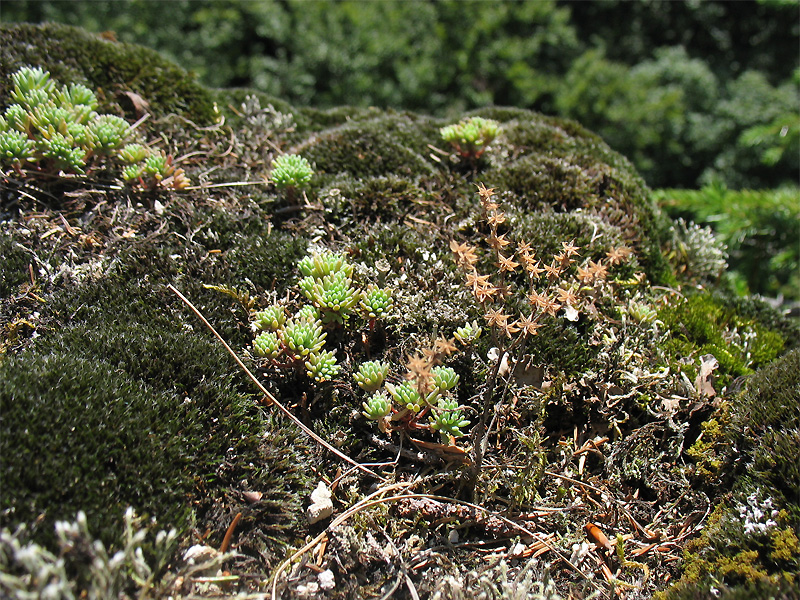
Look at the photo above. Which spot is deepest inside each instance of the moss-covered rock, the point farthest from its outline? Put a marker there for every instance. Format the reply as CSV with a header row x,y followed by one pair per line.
x,y
76,56
112,393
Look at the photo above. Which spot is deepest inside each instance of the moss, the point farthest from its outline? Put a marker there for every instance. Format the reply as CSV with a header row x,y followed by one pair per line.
x,y
74,55
13,267
762,425
785,546
704,323
705,452
390,144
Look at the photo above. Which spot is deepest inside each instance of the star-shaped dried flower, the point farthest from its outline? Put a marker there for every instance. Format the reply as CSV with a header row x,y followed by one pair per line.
x,y
495,318
570,249
498,242
476,281
534,269
496,218
484,192
566,296
537,300
553,270
418,367
598,269
465,254
509,329
617,255
444,346
506,264
528,325
524,248
552,307
585,275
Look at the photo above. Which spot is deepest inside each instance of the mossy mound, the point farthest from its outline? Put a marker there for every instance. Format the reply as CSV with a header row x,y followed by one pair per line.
x,y
751,547
112,393
77,56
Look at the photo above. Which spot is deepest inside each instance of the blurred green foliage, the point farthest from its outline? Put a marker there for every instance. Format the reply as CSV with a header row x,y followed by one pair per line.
x,y
692,92
761,229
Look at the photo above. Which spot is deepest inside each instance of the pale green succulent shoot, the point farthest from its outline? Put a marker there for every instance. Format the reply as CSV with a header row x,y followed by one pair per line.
x,y
377,407
307,314
407,396
468,333
18,118
272,318
107,133
28,80
319,264
371,375
304,337
448,419
49,118
291,171
62,152
376,302
444,378
322,366
76,95
334,295
15,148
132,172
641,313
133,153
471,136
267,345
157,166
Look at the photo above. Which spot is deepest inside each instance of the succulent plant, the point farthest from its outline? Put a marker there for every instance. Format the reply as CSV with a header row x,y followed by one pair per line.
x,y
468,333
444,378
471,136
132,172
304,337
28,79
308,313
447,418
267,345
271,318
62,152
377,407
18,118
15,147
157,166
77,95
371,375
334,295
322,366
50,118
376,302
406,395
320,264
291,170
133,153
108,133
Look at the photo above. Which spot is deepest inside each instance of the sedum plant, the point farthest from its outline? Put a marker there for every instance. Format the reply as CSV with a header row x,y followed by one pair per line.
x,y
322,366
291,172
304,337
448,418
377,407
470,137
267,345
58,129
333,301
376,302
371,375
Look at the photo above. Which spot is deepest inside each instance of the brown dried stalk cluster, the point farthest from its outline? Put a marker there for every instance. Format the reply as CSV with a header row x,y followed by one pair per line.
x,y
552,287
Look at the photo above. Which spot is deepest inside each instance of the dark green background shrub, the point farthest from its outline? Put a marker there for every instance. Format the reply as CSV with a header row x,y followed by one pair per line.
x,y
689,91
